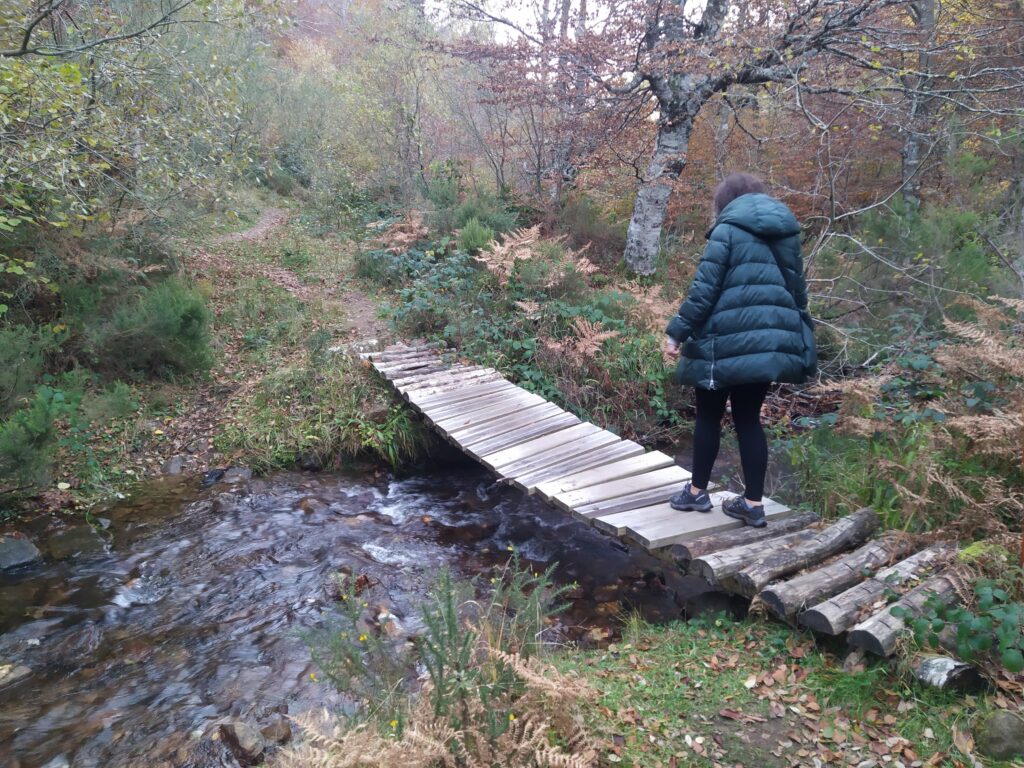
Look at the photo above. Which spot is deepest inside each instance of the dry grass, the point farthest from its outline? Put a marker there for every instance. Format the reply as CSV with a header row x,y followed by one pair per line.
x,y
545,705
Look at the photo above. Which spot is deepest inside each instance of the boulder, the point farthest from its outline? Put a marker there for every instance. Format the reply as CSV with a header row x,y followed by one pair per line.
x,y
1001,736
17,552
245,742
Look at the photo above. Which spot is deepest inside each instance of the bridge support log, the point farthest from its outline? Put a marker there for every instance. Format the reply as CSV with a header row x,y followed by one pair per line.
x,y
880,633
786,599
716,567
683,554
847,532
837,614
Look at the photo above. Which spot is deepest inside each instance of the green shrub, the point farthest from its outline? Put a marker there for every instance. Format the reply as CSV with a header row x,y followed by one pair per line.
x,y
115,402
488,210
587,225
165,331
22,357
994,630
27,441
474,236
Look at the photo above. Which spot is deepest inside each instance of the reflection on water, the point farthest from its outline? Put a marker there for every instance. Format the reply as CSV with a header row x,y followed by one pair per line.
x,y
128,646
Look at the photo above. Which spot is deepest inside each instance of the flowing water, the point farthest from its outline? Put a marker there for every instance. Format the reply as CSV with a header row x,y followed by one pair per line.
x,y
184,606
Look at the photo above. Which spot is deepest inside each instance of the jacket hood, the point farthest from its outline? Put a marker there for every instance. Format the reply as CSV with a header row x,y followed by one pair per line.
x,y
761,215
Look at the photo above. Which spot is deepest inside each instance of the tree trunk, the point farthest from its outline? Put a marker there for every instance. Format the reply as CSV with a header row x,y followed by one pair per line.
x,y
918,122
643,239
836,615
788,598
847,532
881,633
682,554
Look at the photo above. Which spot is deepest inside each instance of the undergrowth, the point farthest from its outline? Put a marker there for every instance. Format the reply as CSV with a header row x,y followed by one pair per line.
x,y
487,697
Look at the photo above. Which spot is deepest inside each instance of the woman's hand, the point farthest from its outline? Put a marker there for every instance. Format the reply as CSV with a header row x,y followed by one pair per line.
x,y
671,347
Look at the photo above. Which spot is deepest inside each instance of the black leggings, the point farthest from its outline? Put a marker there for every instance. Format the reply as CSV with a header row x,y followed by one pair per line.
x,y
746,402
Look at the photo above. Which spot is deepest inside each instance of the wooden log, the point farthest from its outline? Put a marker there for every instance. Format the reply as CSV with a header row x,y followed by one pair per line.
x,y
715,567
682,554
946,673
880,633
786,599
849,531
837,614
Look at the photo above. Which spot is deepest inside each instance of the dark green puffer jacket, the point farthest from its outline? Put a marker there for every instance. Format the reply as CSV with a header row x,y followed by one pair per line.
x,y
744,320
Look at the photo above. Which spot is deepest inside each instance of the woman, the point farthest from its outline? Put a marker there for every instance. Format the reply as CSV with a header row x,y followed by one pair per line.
x,y
743,325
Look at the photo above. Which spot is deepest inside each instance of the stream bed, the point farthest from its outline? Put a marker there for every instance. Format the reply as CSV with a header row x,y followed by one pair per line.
x,y
184,607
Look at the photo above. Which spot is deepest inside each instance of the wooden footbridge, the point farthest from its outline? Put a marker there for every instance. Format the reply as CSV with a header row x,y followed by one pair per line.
x,y
799,569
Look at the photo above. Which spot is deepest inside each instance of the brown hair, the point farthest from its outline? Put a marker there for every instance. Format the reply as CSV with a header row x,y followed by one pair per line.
x,y
734,185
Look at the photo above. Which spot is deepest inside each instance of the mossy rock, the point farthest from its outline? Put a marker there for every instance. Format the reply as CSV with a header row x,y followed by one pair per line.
x,y
1000,736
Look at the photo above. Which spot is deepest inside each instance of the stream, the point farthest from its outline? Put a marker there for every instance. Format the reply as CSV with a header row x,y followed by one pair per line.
x,y
184,606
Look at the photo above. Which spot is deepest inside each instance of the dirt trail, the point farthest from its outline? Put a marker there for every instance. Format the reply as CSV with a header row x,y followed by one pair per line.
x,y
269,220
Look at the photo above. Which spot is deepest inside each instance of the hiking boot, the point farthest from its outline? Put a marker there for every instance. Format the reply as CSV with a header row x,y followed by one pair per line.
x,y
687,501
739,509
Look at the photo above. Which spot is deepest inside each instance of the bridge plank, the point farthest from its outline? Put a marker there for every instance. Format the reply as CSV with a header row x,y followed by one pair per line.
x,y
459,394
571,450
636,465
484,428
659,478
482,409
545,426
512,454
607,455
658,532
624,503
451,383
461,373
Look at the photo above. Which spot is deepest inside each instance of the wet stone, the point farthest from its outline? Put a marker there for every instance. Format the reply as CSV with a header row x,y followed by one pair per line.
x,y
15,553
1001,736
79,540
174,465
277,731
237,475
10,673
245,742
